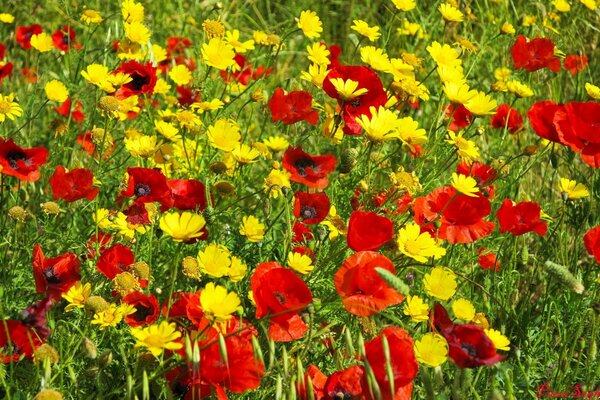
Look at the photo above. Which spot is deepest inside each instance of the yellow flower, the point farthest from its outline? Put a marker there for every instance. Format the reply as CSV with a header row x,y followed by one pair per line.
x,y
466,185
8,108
410,29
404,5
375,57
137,32
410,133
463,309
507,29
347,89
300,263
181,75
417,245
168,130
318,53
252,228
465,149
451,75
218,53
500,341
399,69
431,349
405,181
310,24
416,308
458,92
77,295
561,5
188,119
481,104
444,54
7,18
158,337
275,181
334,223
383,124
182,227
316,74
214,260
213,28
224,135
370,32
502,74
217,303
519,89
132,11
233,38
109,317
245,154
440,283
238,269
160,54
529,20
276,143
572,190
56,91
42,42
451,13
97,74
90,16
591,4
593,91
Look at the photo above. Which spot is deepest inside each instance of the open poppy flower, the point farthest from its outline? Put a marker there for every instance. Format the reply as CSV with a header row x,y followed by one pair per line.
x,y
461,117
307,169
350,383
24,33
507,117
592,242
114,260
374,96
578,126
73,185
317,379
34,317
176,305
488,260
311,208
65,38
5,69
575,63
146,309
534,54
483,175
54,276
541,117
148,185
87,142
21,162
279,292
143,79
301,232
363,291
521,218
187,194
368,231
16,340
292,107
76,113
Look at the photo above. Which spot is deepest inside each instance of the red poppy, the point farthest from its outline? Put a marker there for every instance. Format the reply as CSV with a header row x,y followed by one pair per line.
x,y
534,54
24,34
187,194
146,308
507,117
301,232
350,383
368,231
64,38
488,260
374,97
16,340
34,317
175,306
73,185
114,260
243,73
55,275
305,251
578,126
292,107
363,291
148,185
541,117
96,245
461,117
143,79
521,218
402,360
187,96
307,169
5,70
311,208
575,63
76,113
334,54
21,162
176,45
88,142
2,51
592,242
317,379
280,293
483,174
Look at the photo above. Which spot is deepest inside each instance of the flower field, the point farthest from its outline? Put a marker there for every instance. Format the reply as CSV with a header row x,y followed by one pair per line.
x,y
316,200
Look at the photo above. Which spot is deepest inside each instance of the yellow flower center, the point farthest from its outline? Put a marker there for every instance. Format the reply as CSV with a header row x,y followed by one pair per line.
x,y
155,341
412,247
4,107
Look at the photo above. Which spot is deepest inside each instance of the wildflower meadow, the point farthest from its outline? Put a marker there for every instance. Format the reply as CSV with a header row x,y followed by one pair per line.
x,y
312,200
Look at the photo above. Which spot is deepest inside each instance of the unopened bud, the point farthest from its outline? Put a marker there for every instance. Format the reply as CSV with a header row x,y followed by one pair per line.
x,y
348,160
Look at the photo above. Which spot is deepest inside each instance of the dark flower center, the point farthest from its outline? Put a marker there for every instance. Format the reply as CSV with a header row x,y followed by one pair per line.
x,y
142,312
9,349
469,349
302,163
280,298
65,39
307,212
342,396
137,81
51,276
14,156
355,102
141,189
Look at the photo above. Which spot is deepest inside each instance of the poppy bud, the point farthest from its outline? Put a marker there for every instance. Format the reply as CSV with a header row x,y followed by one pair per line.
x,y
89,348
105,359
348,160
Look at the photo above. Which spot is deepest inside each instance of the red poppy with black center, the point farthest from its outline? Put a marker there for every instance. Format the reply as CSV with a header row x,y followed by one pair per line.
x,y
292,107
534,54
34,317
76,113
65,38
143,79
359,105
73,185
311,208
317,380
578,126
16,340
21,162
368,231
575,63
541,117
24,33
54,276
188,194
592,242
521,218
282,294
401,359
148,185
307,169
488,260
461,117
114,260
483,174
363,291
507,117
146,309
